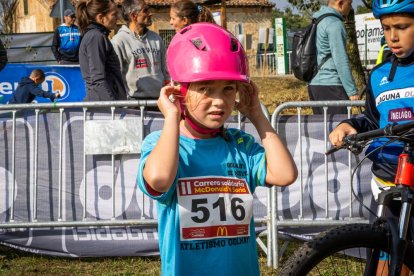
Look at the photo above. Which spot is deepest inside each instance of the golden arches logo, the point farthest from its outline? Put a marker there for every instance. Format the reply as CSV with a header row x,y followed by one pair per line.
x,y
222,231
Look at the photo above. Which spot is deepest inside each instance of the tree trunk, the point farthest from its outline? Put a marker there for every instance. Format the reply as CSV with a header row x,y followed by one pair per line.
x,y
353,51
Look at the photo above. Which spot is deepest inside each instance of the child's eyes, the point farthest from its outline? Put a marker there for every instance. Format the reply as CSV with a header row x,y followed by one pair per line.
x,y
229,89
402,27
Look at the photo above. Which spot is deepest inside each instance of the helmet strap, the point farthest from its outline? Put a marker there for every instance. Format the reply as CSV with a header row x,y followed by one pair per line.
x,y
202,130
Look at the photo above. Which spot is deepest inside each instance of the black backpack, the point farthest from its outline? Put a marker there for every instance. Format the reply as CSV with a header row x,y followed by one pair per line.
x,y
303,60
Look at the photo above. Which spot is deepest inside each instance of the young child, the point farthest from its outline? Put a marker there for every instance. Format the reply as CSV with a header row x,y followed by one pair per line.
x,y
389,92
203,175
28,89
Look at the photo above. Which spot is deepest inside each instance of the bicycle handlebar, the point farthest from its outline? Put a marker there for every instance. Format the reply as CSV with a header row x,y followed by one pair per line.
x,y
356,142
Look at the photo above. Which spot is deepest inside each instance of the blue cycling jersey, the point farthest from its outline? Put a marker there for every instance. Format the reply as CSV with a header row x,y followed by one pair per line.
x,y
389,100
394,101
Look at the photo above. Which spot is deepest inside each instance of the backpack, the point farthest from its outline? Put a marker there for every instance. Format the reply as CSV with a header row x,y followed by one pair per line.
x,y
303,60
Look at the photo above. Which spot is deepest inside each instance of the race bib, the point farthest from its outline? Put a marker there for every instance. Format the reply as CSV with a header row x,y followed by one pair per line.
x,y
211,207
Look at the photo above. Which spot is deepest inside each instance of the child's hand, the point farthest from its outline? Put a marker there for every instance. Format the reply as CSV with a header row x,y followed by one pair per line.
x,y
169,101
253,108
338,134
58,95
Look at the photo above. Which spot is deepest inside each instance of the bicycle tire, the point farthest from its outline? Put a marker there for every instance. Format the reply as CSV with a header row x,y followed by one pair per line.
x,y
325,245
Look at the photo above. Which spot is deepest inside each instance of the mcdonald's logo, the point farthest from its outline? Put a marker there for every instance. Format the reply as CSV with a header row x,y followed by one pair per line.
x,y
222,231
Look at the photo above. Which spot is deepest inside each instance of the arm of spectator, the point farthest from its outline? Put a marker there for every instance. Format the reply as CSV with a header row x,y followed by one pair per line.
x,y
337,44
38,92
119,50
56,45
97,59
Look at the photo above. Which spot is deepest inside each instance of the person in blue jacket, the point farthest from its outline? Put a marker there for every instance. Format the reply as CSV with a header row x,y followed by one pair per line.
x,y
66,40
29,88
334,81
390,97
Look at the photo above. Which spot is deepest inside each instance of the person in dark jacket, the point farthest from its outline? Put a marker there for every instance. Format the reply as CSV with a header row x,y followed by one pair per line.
x,y
98,61
28,89
66,40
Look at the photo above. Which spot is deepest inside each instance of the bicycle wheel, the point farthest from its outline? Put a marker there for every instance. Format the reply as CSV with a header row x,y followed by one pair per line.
x,y
341,251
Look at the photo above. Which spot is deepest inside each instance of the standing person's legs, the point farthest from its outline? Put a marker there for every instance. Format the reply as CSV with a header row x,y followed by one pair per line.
x,y
328,93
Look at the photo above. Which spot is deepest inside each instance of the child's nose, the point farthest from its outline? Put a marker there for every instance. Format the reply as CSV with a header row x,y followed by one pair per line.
x,y
394,35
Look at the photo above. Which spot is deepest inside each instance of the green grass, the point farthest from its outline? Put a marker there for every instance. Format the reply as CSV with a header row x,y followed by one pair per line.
x,y
15,262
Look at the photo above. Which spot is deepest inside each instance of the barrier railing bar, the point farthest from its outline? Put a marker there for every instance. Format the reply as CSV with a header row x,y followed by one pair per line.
x,y
102,104
269,223
142,109
36,152
13,167
301,162
350,172
60,163
87,223
325,147
85,190
113,171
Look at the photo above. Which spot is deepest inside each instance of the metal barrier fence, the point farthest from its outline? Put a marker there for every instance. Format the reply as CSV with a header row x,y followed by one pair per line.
x,y
277,221
272,221
9,114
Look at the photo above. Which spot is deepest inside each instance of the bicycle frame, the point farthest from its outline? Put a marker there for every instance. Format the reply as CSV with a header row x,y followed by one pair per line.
x,y
403,190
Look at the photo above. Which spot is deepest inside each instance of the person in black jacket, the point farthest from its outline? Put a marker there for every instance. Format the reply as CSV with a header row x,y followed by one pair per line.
x,y
98,61
28,89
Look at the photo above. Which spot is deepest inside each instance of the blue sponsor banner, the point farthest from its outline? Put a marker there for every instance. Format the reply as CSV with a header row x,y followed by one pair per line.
x,y
66,80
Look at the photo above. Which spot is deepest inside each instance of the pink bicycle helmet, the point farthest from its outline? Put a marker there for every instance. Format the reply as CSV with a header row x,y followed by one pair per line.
x,y
206,51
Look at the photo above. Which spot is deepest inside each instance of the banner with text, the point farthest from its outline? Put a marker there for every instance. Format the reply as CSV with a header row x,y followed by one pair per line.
x,y
64,79
130,203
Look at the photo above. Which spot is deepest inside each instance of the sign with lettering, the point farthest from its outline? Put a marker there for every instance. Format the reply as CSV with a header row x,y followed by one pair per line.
x,y
369,32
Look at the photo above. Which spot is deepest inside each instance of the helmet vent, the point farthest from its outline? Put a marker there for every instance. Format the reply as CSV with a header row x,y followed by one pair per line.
x,y
234,45
199,44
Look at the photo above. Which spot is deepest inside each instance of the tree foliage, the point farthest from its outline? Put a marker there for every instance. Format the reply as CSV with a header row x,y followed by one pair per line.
x,y
294,21
7,18
362,9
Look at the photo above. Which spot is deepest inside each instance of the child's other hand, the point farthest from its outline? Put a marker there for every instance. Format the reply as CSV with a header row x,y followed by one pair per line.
x,y
253,108
169,101
57,95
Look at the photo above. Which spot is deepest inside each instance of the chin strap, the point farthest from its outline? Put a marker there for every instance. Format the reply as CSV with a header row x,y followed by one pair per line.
x,y
393,70
199,129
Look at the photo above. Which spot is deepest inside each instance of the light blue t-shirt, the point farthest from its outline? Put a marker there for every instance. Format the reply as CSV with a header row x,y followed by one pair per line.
x,y
206,217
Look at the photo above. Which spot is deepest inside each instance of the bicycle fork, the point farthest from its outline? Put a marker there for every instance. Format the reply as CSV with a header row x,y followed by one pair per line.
x,y
404,190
